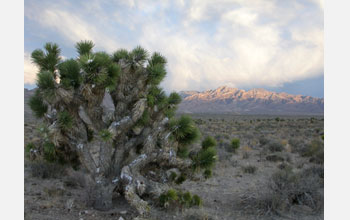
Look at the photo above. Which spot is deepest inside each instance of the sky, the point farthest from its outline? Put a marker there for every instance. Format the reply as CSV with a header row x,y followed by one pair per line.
x,y
271,44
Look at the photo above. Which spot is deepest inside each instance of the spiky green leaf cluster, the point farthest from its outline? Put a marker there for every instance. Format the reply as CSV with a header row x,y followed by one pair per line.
x,y
156,96
105,135
70,73
157,58
46,83
174,98
138,56
184,129
156,73
84,47
65,120
100,69
156,68
49,152
37,105
206,158
120,54
48,60
208,142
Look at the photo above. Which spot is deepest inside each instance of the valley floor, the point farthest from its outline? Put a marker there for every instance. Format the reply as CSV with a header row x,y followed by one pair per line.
x,y
242,179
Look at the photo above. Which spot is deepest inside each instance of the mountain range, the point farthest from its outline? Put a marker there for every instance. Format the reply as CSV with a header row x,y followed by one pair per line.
x,y
226,100
255,101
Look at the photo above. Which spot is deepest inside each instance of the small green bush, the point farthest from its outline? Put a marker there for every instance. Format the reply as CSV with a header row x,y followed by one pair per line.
x,y
172,176
207,173
181,179
197,201
235,143
208,142
178,198
206,158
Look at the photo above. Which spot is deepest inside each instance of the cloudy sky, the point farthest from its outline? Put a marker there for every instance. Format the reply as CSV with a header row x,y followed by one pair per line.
x,y
272,44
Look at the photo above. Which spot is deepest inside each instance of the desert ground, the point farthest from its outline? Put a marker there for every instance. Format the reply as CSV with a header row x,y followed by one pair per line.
x,y
276,173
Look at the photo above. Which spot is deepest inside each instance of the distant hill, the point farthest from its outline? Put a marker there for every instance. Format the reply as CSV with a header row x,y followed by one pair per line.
x,y
256,101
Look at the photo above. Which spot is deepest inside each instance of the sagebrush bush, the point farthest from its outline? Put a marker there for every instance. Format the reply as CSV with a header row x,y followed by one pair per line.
x,y
249,169
287,188
275,147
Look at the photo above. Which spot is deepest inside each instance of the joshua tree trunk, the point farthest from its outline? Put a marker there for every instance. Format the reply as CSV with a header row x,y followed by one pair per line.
x,y
115,147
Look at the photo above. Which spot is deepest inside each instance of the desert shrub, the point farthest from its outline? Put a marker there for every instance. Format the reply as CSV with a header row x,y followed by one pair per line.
x,y
313,148
275,147
172,176
207,173
177,198
297,144
285,189
263,141
181,179
235,143
205,158
208,142
249,169
318,158
44,170
274,158
76,180
197,201
245,155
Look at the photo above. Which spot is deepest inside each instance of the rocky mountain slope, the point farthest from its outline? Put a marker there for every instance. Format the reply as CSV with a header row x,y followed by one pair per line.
x,y
255,101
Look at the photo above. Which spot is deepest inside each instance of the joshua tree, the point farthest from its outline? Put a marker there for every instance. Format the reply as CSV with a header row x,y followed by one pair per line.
x,y
115,147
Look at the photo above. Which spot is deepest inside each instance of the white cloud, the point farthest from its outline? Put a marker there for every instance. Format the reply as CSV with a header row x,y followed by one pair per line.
x,y
30,70
208,43
72,27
